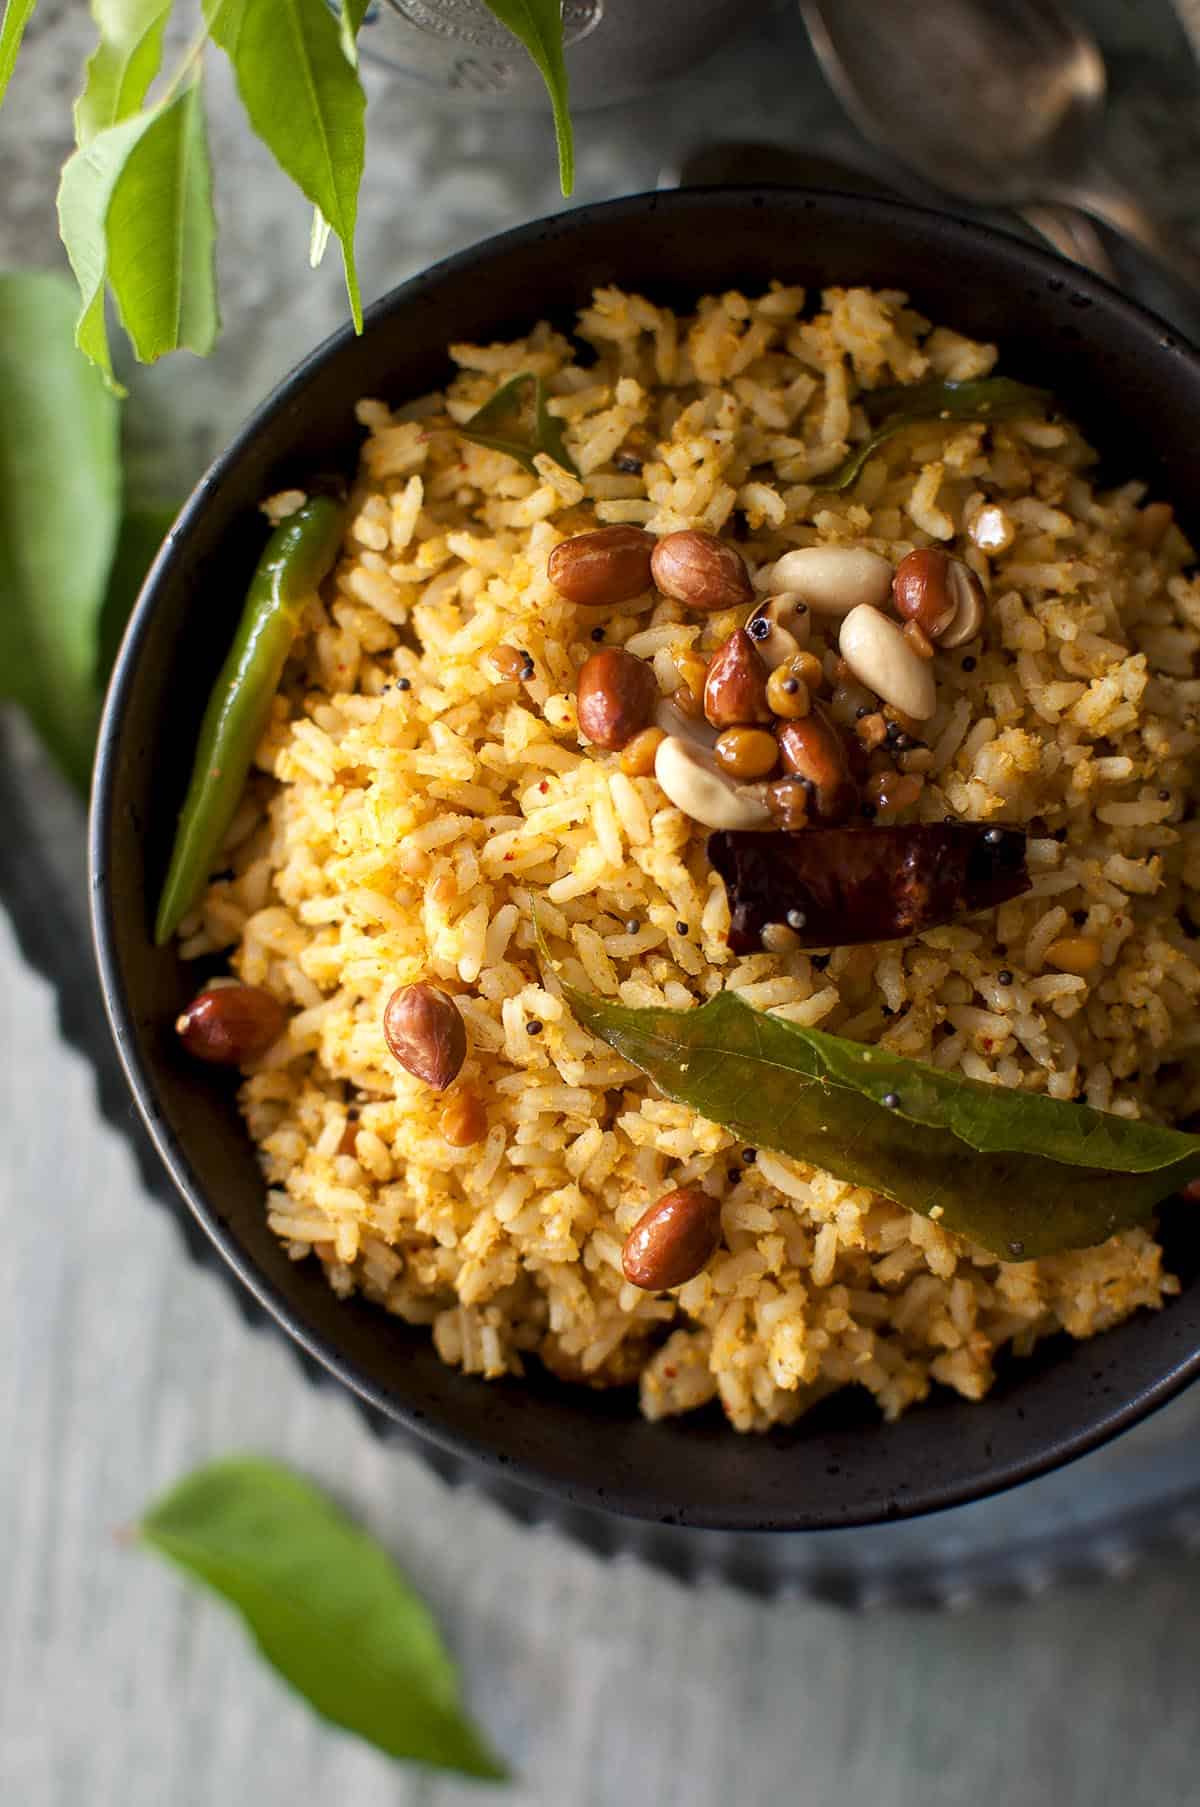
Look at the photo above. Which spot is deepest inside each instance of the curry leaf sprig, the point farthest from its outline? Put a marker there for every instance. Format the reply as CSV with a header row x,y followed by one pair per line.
x,y
517,420
893,410
1019,1173
539,26
135,202
12,29
325,1606
73,549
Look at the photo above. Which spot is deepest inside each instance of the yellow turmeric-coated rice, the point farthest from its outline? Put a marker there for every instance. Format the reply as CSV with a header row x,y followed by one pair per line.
x,y
410,807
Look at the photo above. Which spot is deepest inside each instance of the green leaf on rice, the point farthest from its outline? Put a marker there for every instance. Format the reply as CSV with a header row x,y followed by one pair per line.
x,y
1019,1173
17,14
893,410
135,212
123,64
326,1607
539,26
304,99
516,421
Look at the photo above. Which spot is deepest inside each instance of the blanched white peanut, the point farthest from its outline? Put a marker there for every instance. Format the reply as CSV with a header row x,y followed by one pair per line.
x,y
789,627
967,592
692,782
833,579
875,649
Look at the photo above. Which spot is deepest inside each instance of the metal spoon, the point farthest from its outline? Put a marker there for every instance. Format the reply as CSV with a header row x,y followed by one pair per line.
x,y
739,160
996,101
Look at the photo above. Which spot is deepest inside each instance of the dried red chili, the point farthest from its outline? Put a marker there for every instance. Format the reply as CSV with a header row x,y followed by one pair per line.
x,y
835,887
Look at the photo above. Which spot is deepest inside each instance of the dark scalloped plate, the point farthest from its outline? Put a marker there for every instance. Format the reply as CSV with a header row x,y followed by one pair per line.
x,y
1133,384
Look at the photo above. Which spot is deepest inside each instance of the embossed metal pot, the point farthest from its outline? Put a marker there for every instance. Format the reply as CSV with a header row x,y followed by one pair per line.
x,y
615,49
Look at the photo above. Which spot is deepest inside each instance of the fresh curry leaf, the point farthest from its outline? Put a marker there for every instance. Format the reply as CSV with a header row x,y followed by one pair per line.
x,y
520,406
305,101
123,64
17,14
325,1606
1017,1172
161,233
539,26
135,210
892,411
974,398
60,499
352,15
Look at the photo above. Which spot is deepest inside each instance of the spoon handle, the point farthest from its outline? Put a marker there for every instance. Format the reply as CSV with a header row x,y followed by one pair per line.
x,y
1072,234
1107,200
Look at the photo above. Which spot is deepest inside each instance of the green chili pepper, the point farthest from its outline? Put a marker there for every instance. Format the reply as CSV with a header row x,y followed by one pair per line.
x,y
297,556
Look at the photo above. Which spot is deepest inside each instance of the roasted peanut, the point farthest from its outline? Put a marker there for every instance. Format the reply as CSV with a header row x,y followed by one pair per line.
x,y
787,693
599,570
941,594
833,579
425,1032
673,1240
735,688
616,693
231,1024
463,1122
701,571
637,755
813,749
691,780
747,752
921,590
877,653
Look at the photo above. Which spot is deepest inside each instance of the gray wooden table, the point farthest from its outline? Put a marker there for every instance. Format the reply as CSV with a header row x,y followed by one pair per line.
x,y
121,1364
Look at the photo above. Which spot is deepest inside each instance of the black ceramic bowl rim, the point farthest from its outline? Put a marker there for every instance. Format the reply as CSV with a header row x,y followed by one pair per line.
x,y
1140,1385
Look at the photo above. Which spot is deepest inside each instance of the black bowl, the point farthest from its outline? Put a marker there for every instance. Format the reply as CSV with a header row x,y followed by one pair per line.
x,y
1135,388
